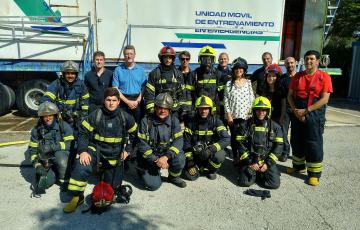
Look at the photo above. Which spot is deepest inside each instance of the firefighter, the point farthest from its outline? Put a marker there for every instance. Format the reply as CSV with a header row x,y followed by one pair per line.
x,y
260,143
205,80
102,144
165,78
205,138
161,145
309,92
70,94
49,147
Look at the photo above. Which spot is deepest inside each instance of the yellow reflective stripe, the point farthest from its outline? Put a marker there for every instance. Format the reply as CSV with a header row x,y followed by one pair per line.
x,y
217,146
178,134
173,148
214,164
67,102
188,130
108,139
314,165
85,107
150,106
244,155
33,144
185,102
34,157
174,174
92,148
62,145
261,162
132,129
112,162
219,128
190,87
68,138
142,136
221,87
202,133
273,157
147,153
150,86
162,81
175,105
87,125
240,138
188,154
207,81
315,170
85,96
297,159
50,94
279,139
260,129
77,182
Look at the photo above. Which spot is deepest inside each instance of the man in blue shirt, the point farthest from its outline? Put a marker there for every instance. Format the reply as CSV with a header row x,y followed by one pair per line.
x,y
130,79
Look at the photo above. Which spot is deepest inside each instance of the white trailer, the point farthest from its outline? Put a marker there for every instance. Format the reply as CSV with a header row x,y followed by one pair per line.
x,y
37,36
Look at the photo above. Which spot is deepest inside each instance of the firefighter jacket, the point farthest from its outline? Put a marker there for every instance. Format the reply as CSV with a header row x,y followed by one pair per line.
x,y
161,80
207,132
71,99
200,83
106,132
56,137
259,141
160,138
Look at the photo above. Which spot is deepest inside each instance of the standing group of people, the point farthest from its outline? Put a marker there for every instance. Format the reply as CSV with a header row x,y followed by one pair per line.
x,y
92,125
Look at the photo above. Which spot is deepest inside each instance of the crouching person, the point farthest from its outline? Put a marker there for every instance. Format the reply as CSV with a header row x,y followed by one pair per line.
x,y
205,138
260,143
101,145
49,147
161,143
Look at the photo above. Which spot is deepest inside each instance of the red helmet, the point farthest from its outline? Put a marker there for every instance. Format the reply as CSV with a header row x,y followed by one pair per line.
x,y
167,51
274,68
103,195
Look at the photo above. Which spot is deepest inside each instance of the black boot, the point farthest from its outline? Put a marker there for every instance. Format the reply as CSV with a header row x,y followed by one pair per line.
x,y
211,175
177,181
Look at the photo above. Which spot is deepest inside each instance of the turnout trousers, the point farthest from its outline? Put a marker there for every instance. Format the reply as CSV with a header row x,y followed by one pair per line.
x,y
307,140
269,179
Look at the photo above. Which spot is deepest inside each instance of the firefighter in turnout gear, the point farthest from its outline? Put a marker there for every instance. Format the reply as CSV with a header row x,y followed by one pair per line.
x,y
102,144
165,78
204,80
70,94
205,138
260,143
309,92
161,145
49,147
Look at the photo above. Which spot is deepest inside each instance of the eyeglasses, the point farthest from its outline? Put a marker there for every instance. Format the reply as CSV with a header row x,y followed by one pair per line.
x,y
185,59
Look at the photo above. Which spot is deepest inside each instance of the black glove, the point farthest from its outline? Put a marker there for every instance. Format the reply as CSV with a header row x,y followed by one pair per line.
x,y
207,153
40,170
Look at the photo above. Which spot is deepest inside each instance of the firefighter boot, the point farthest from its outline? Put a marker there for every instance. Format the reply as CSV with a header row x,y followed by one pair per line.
x,y
211,175
295,170
177,181
73,204
313,181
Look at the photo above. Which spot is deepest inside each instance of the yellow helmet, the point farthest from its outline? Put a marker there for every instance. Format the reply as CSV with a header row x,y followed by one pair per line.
x,y
262,103
204,102
207,51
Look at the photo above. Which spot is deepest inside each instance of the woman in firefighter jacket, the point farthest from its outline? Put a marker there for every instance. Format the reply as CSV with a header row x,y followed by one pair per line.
x,y
49,147
260,143
161,145
205,138
70,94
102,144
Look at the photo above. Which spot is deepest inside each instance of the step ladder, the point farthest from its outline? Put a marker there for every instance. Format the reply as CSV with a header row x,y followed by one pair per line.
x,y
333,5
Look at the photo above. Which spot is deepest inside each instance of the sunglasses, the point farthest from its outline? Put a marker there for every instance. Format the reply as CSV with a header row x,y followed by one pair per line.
x,y
185,59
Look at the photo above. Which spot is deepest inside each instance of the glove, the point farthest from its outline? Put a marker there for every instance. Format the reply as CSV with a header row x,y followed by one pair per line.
x,y
40,170
207,153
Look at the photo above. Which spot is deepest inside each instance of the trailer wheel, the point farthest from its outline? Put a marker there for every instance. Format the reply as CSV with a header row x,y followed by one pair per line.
x,y
5,100
11,96
28,96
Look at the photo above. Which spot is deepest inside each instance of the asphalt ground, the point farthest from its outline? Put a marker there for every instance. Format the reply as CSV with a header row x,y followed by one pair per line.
x,y
204,204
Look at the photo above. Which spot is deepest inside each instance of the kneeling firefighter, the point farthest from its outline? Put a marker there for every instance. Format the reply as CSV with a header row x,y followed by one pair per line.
x,y
205,138
102,146
49,147
260,143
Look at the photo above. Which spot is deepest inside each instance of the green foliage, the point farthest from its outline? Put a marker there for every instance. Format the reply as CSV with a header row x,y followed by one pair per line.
x,y
347,19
